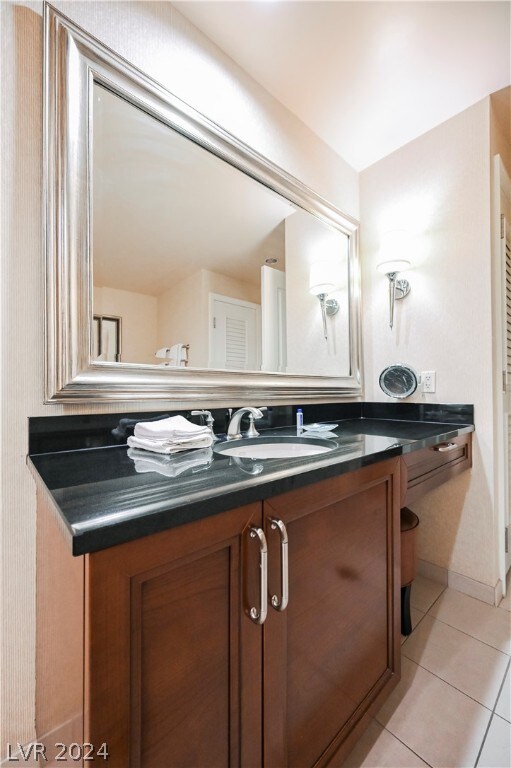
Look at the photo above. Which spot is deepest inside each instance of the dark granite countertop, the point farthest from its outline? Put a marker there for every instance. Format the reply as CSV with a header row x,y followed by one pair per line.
x,y
104,499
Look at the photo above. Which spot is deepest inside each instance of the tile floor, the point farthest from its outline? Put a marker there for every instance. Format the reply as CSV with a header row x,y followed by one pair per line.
x,y
451,708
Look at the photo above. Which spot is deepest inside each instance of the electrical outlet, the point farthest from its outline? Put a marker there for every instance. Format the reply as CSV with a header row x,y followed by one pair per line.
x,y
428,381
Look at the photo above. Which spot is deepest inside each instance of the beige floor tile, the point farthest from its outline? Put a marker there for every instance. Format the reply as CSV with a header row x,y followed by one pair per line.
x,y
503,708
424,593
417,617
505,603
478,619
377,748
469,665
496,752
437,722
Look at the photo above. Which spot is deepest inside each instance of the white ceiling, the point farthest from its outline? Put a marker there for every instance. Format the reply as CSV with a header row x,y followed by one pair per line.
x,y
164,208
367,77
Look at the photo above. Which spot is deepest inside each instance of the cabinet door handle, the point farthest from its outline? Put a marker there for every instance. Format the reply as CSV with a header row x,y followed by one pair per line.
x,y
281,605
444,447
260,615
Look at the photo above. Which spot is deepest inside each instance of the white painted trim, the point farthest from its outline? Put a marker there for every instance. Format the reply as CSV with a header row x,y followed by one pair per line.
x,y
461,583
500,181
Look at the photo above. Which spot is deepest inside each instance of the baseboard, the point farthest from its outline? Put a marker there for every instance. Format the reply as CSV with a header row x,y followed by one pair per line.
x,y
432,571
70,732
457,581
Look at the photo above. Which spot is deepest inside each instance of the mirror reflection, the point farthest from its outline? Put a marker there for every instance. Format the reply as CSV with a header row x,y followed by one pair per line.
x,y
200,265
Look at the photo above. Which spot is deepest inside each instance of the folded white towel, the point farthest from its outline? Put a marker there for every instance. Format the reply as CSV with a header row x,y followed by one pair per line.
x,y
174,445
175,352
175,427
179,353
171,466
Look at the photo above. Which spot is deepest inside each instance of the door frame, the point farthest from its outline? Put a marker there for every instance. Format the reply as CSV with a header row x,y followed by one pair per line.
x,y
501,185
506,387
273,323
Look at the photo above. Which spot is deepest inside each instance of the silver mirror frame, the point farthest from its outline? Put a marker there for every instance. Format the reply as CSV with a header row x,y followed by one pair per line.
x,y
73,62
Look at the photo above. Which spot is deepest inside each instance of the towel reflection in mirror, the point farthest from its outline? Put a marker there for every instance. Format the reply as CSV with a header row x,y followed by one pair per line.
x,y
175,356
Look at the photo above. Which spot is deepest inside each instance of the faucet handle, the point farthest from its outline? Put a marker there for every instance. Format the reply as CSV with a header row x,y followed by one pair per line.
x,y
209,420
201,413
252,431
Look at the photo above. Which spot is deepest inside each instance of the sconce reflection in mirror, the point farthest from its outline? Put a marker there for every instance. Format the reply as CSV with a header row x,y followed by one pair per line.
x,y
395,245
323,279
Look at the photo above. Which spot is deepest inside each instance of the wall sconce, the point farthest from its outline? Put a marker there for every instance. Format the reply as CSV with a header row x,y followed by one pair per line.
x,y
322,281
395,245
398,288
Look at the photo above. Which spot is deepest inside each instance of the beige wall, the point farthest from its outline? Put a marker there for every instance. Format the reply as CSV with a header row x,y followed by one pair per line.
x,y
182,319
214,282
438,188
501,125
157,39
183,311
138,314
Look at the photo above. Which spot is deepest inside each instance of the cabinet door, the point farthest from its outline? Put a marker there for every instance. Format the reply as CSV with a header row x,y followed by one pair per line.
x,y
330,654
174,661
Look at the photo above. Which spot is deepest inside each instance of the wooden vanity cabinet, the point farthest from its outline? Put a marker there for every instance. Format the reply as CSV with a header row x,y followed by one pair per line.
x,y
332,655
427,468
174,672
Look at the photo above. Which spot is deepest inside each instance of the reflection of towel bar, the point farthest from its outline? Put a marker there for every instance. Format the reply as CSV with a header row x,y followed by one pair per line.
x,y
180,361
162,350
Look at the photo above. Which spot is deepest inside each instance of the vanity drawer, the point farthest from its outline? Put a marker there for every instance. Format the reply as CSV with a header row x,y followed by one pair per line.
x,y
426,469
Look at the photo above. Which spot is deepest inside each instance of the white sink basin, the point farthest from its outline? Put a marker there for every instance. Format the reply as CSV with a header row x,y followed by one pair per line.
x,y
273,447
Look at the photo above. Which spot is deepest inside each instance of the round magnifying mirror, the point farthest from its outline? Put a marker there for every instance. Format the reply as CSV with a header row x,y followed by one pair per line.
x,y
398,380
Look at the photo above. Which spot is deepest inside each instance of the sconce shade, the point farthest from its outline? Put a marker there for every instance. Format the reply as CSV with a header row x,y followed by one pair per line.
x,y
392,266
323,277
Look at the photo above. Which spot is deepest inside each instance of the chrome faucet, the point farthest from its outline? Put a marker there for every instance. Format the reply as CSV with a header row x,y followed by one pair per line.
x,y
233,430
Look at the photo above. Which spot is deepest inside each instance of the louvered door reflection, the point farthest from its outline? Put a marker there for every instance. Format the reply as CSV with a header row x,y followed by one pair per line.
x,y
234,334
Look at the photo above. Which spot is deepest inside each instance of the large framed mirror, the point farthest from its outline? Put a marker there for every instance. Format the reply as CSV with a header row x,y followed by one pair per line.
x,y
181,264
